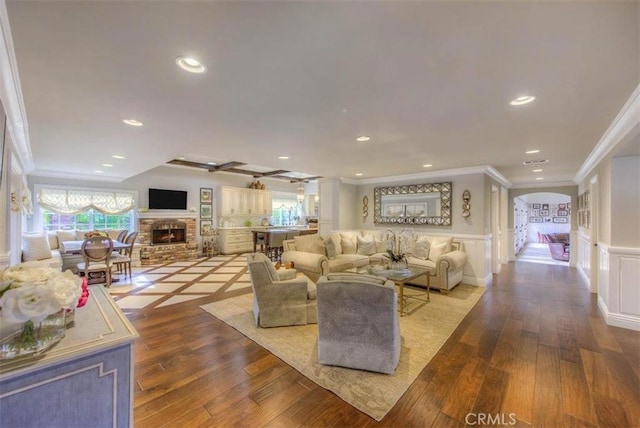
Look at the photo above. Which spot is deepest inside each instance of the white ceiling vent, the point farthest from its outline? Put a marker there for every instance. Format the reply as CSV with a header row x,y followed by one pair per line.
x,y
536,162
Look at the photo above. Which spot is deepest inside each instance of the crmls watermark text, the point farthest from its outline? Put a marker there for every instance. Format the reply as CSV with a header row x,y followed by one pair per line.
x,y
490,419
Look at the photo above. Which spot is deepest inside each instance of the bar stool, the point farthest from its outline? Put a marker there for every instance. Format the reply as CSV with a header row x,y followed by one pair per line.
x,y
276,238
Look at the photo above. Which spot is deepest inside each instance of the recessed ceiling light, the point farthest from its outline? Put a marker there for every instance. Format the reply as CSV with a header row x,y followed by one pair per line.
x,y
133,122
363,138
108,165
283,157
525,99
191,65
211,163
536,170
358,174
539,178
531,152
118,157
97,171
181,158
427,165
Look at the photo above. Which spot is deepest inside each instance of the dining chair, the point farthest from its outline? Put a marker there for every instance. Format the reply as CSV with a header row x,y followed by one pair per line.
x,y
276,238
124,260
96,252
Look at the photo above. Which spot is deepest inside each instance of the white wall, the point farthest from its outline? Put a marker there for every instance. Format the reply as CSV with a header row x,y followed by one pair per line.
x,y
625,201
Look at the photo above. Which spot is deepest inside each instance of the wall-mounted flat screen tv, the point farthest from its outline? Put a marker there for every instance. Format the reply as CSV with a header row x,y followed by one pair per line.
x,y
162,199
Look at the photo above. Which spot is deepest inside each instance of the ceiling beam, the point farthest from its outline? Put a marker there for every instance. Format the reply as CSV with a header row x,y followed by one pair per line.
x,y
231,167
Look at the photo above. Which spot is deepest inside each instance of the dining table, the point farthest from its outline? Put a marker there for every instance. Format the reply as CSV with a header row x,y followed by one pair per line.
x,y
74,247
71,255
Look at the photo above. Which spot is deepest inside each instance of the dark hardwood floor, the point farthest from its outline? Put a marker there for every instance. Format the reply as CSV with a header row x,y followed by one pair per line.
x,y
533,352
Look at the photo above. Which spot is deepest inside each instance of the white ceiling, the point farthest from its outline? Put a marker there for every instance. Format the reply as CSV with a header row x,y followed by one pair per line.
x,y
430,82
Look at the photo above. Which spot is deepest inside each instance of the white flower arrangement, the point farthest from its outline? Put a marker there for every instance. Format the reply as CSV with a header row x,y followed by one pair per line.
x,y
35,293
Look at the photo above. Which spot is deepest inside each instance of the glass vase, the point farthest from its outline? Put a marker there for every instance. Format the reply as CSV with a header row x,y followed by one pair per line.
x,y
29,338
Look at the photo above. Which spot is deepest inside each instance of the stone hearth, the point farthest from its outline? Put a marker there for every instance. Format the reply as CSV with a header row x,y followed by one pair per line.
x,y
151,253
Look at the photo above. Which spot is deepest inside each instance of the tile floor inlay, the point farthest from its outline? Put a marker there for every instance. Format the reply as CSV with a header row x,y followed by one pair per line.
x,y
176,282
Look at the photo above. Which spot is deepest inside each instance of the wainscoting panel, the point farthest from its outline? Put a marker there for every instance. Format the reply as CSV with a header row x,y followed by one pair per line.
x,y
583,262
618,291
477,271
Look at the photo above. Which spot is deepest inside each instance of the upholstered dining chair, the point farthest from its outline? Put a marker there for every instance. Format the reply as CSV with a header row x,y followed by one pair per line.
x,y
280,297
276,239
358,324
96,252
124,260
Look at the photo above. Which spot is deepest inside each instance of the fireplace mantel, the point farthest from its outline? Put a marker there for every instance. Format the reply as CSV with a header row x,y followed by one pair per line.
x,y
167,214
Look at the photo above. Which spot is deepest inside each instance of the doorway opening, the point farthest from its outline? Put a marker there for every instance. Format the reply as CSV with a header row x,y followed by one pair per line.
x,y
543,228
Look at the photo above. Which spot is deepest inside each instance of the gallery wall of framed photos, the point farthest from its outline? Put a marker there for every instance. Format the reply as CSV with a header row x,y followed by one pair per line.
x,y
206,211
549,213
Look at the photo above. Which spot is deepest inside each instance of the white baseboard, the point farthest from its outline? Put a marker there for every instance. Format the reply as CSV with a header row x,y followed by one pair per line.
x,y
618,320
584,276
472,280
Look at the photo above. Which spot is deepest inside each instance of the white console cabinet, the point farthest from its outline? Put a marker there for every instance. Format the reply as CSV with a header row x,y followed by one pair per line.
x,y
84,380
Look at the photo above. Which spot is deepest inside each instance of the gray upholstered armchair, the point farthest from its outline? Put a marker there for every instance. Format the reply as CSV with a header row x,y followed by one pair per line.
x,y
280,297
358,325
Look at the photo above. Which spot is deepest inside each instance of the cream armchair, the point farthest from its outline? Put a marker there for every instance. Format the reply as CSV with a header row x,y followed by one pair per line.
x,y
280,297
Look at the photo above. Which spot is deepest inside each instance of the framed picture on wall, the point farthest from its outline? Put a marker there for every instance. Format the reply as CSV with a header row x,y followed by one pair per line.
x,y
206,227
560,220
563,213
562,206
535,219
544,212
545,206
536,206
206,195
206,211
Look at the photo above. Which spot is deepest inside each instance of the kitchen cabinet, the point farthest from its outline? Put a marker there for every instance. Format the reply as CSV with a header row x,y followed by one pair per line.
x,y
232,241
236,201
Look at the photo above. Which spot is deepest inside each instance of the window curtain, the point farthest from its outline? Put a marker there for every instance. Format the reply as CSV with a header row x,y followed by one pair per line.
x,y
63,201
283,200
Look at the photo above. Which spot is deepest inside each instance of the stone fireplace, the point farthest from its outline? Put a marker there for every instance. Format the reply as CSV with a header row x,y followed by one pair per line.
x,y
168,232
165,238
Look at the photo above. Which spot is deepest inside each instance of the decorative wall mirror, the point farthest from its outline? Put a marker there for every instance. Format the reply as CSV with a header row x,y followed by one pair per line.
x,y
419,204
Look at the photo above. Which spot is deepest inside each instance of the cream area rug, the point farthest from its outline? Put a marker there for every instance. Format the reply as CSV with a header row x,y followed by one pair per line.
x,y
423,332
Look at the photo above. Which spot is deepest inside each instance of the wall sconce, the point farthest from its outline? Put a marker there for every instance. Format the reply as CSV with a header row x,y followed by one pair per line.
x,y
466,207
365,208
316,198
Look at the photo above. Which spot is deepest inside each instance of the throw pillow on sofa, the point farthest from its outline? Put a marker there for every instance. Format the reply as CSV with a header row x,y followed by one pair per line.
x,y
66,235
35,246
310,244
439,246
349,242
381,245
407,244
366,246
422,248
330,245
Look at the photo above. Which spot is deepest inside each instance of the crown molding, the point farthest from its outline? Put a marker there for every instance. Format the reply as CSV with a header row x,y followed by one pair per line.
x,y
71,176
483,169
11,94
538,185
625,121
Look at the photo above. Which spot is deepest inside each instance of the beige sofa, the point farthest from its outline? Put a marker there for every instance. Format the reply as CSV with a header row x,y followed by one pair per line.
x,y
318,256
46,252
